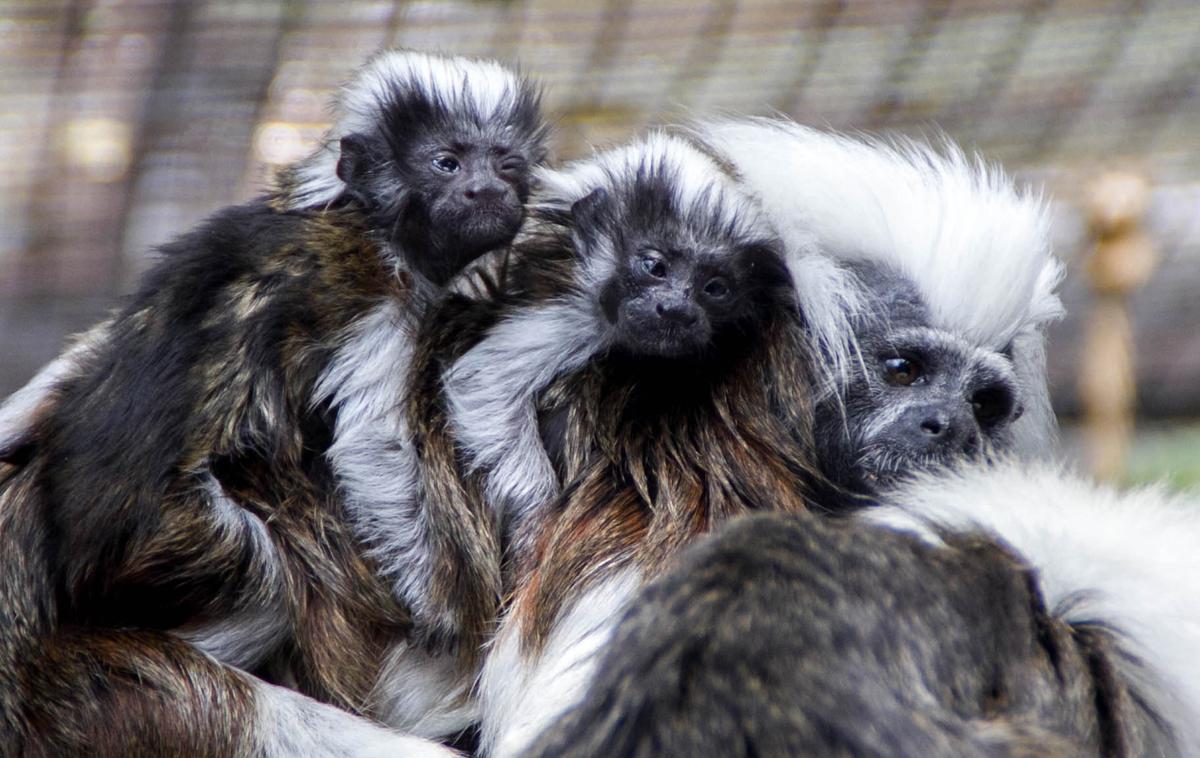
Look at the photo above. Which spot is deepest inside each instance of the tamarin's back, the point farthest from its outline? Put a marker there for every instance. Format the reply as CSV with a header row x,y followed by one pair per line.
x,y
212,361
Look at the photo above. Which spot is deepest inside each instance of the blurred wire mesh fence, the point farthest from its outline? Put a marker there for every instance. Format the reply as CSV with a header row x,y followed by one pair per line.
x,y
123,122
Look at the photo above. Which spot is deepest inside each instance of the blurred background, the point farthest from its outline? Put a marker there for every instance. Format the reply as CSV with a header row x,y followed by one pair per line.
x,y
123,122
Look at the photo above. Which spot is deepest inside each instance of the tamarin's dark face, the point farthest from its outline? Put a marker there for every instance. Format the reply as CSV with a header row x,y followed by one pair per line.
x,y
445,187
922,397
678,285
670,299
445,197
469,189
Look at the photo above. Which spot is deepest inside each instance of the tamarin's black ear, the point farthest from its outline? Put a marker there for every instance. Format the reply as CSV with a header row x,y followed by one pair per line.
x,y
588,215
354,164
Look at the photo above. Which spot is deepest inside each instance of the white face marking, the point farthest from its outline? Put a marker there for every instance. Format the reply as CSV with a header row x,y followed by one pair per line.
x,y
965,357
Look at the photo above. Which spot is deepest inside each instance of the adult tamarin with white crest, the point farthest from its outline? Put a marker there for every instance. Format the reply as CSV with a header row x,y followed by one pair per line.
x,y
220,482
926,277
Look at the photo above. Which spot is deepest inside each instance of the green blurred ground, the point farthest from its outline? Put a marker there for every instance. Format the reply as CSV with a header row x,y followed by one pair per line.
x,y
1163,451
1169,452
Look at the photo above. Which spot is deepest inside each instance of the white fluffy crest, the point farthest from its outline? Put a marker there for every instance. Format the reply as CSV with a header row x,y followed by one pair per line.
x,y
976,247
477,86
1127,560
829,298
955,226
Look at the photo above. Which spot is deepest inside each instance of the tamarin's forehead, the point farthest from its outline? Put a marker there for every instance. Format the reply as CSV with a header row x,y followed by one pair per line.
x,y
663,195
413,120
676,238
657,168
465,136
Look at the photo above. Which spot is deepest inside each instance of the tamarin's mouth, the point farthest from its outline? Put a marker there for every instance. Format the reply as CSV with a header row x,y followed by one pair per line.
x,y
667,341
877,469
493,208
493,217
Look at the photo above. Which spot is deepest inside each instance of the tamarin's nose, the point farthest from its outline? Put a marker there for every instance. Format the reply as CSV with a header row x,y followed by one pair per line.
x,y
680,313
484,191
936,425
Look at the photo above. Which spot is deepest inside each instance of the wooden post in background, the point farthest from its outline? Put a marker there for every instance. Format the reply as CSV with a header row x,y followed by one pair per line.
x,y
1121,261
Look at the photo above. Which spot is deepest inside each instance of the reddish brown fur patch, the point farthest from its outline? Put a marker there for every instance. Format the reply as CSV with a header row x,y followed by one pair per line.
x,y
135,693
642,482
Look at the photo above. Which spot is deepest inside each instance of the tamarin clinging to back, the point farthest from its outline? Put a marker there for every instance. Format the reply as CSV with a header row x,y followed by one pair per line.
x,y
218,482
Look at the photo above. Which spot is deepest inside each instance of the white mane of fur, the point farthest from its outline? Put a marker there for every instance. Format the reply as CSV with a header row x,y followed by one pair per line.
x,y
976,247
1128,560
479,85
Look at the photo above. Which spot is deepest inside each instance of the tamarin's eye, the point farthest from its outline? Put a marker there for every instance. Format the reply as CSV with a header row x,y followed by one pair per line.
x,y
446,164
655,267
901,371
716,288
